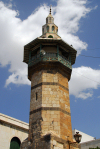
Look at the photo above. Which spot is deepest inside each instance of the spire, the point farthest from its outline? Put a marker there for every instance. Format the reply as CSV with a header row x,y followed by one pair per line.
x,y
50,9
50,29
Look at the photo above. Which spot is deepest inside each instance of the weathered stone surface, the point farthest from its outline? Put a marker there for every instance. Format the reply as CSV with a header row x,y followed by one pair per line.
x,y
50,110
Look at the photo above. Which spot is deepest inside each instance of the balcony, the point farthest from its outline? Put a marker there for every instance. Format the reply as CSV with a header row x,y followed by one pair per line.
x,y
49,57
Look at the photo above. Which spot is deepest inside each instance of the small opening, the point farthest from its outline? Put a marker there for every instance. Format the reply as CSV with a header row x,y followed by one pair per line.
x,y
53,28
47,28
46,20
36,96
57,31
47,138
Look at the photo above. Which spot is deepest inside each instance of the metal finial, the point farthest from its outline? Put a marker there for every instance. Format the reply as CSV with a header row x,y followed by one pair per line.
x,y
50,9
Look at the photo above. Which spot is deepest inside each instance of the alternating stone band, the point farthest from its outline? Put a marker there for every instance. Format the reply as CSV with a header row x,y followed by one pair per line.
x,y
49,83
51,109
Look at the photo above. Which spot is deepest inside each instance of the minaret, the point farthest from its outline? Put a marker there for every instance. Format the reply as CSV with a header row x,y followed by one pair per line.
x,y
50,61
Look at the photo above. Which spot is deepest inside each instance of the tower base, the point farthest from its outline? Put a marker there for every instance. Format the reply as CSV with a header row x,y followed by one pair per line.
x,y
49,141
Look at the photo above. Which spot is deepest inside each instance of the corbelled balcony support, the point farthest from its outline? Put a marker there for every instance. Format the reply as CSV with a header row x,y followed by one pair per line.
x,y
29,56
40,48
57,50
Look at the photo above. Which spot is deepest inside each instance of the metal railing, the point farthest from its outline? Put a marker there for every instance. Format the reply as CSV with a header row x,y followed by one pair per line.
x,y
50,57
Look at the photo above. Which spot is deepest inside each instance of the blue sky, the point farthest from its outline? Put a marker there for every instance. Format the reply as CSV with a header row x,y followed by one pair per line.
x,y
78,22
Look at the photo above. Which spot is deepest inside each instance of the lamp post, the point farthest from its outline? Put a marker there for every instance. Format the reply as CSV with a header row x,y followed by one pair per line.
x,y
78,137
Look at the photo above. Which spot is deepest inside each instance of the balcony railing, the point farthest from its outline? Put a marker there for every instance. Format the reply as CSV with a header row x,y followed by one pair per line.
x,y
50,57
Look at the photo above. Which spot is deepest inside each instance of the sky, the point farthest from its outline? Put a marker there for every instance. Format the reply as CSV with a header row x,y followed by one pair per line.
x,y
78,24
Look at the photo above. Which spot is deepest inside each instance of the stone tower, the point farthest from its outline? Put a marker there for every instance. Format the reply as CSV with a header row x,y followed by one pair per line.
x,y
50,61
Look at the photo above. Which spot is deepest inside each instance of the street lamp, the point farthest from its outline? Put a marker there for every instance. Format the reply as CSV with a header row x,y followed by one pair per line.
x,y
78,137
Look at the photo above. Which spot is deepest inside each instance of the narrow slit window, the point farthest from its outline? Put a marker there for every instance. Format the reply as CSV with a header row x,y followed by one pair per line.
x,y
36,96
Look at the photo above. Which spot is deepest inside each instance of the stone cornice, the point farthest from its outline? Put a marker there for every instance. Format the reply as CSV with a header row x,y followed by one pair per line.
x,y
12,121
49,83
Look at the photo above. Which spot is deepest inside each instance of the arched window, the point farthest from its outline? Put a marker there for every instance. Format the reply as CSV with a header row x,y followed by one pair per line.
x,y
50,36
53,28
15,143
47,28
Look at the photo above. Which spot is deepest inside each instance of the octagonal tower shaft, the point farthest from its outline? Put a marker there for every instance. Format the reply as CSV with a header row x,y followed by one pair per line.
x,y
50,103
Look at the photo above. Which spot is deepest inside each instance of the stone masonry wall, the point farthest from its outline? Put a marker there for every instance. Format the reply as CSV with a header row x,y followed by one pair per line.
x,y
50,108
64,101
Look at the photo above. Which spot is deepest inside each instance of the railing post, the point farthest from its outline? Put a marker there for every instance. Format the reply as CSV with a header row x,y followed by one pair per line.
x,y
40,50
69,57
58,52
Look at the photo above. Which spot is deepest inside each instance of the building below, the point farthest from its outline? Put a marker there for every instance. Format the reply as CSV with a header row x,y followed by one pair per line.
x,y
12,132
93,144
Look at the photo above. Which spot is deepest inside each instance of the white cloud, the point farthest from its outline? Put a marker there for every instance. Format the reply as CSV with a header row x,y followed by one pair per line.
x,y
20,77
98,96
15,33
84,95
68,15
83,80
